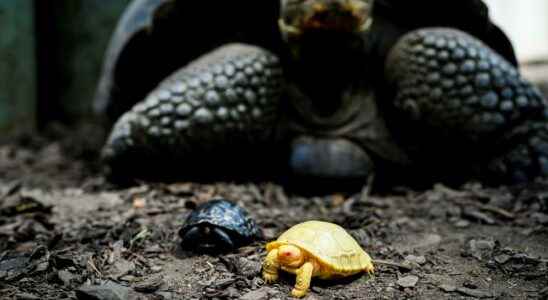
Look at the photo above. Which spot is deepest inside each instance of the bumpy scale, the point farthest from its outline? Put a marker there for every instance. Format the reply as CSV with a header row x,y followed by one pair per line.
x,y
228,97
462,91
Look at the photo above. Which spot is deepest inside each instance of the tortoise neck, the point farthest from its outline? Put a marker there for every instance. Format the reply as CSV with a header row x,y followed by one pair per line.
x,y
327,51
324,65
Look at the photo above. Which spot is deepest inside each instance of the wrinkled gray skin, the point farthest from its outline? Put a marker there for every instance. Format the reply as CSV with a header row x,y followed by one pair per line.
x,y
335,101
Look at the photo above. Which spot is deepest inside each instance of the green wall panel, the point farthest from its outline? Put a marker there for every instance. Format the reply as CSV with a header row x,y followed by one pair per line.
x,y
84,28
17,66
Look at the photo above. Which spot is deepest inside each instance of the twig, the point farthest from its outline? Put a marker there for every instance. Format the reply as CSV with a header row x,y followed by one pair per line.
x,y
393,264
496,210
466,195
12,189
92,265
366,191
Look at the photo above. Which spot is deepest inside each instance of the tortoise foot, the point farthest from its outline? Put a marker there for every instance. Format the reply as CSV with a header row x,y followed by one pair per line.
x,y
453,82
329,159
270,278
298,293
526,155
463,101
220,107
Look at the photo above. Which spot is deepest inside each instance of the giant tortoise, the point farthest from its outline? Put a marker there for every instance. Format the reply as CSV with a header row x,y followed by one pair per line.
x,y
319,89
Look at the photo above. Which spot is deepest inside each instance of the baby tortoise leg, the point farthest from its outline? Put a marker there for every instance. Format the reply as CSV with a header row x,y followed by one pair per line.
x,y
463,93
271,267
304,276
223,105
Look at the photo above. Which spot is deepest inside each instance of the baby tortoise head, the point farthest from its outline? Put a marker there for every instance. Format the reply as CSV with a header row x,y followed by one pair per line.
x,y
301,16
291,256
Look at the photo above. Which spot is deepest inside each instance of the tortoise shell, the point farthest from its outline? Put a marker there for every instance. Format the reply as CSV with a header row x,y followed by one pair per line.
x,y
329,243
156,37
225,214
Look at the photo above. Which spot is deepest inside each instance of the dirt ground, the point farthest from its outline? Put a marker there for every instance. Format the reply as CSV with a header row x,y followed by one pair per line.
x,y
65,232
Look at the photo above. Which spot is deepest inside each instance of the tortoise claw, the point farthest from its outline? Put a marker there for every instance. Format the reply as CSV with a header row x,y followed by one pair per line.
x,y
270,278
297,293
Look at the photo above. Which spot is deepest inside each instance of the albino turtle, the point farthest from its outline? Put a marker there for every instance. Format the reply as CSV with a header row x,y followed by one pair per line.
x,y
315,249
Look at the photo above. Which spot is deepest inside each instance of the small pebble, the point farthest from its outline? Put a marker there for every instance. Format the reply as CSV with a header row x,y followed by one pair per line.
x,y
448,288
139,203
66,277
408,281
502,259
107,291
420,260
260,294
156,269
316,290
462,224
481,249
541,218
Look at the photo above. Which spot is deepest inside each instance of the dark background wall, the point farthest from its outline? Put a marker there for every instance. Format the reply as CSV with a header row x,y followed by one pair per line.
x,y
51,53
17,65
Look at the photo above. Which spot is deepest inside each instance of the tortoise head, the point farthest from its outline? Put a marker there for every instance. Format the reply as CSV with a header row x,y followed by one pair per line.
x,y
208,238
290,256
301,16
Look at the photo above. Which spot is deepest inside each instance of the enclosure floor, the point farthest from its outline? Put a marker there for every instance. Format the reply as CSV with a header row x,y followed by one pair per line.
x,y
63,228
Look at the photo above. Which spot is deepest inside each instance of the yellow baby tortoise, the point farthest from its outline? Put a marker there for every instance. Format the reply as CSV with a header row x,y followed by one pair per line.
x,y
315,249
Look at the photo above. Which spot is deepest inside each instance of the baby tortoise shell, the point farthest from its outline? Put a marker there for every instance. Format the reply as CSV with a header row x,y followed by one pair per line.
x,y
315,249
330,244
218,225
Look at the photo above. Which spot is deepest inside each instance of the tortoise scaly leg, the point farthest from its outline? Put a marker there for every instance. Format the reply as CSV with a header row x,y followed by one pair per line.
x,y
220,110
304,276
464,103
271,267
525,153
